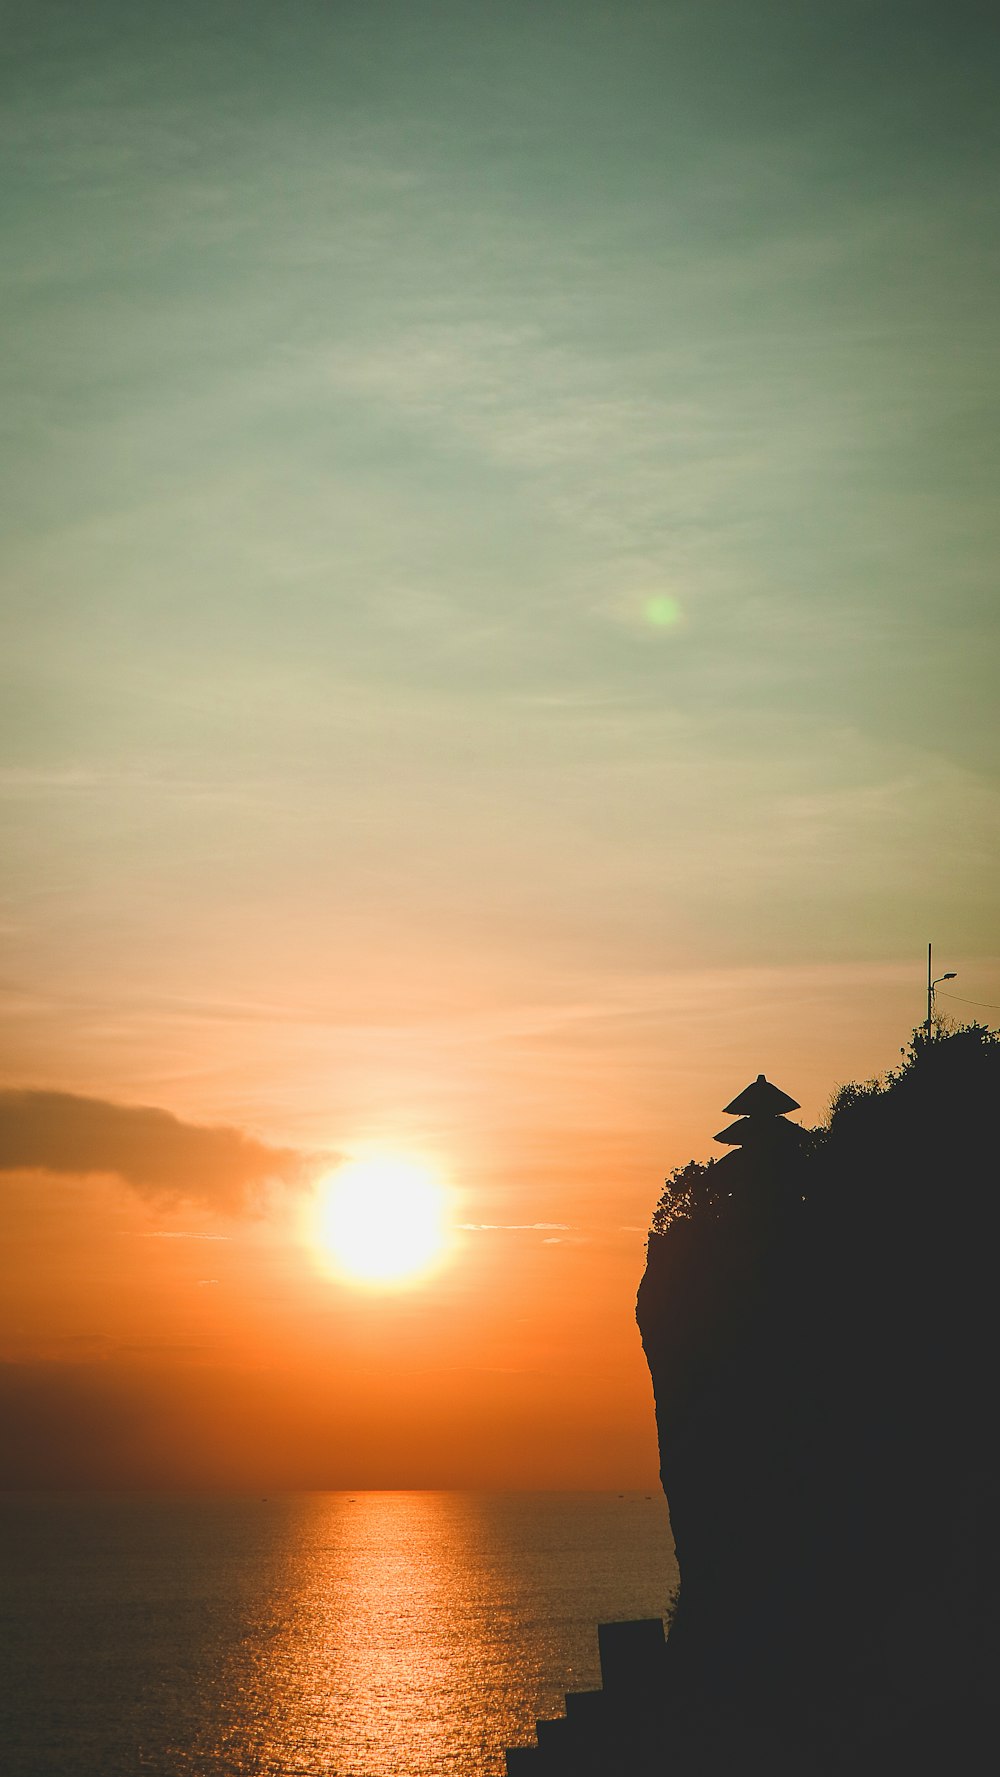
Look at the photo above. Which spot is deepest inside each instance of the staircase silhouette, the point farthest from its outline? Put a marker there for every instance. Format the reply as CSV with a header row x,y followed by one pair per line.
x,y
615,1728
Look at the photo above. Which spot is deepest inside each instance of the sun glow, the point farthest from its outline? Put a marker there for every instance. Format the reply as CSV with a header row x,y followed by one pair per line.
x,y
381,1220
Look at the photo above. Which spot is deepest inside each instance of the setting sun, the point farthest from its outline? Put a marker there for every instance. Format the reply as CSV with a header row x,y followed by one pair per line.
x,y
381,1220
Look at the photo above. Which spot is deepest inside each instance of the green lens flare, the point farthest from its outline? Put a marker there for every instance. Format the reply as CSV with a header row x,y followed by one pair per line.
x,y
662,612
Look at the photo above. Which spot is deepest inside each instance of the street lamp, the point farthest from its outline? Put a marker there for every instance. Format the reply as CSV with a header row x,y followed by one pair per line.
x,y
952,975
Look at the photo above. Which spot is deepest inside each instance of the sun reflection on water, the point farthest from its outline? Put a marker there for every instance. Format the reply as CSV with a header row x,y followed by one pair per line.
x,y
412,1634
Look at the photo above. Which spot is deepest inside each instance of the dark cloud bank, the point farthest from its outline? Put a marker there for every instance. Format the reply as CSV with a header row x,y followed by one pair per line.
x,y
154,1152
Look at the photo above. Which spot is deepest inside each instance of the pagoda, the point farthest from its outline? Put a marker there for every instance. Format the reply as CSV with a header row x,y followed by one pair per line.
x,y
760,1110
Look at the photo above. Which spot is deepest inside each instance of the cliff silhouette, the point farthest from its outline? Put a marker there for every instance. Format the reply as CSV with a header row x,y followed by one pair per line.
x,y
818,1315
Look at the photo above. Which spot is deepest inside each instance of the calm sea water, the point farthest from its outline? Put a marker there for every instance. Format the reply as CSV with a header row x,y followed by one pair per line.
x,y
365,1635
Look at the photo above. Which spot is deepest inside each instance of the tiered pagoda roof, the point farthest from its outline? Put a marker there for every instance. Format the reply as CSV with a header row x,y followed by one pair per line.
x,y
757,1108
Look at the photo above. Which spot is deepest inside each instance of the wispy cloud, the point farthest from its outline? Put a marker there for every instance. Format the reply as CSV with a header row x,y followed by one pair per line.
x,y
154,1152
509,1227
178,1234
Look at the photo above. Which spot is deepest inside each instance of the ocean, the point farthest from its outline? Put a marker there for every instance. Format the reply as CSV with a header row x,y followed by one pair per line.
x,y
348,1635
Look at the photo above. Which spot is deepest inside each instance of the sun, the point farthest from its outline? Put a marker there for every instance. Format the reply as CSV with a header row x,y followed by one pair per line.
x,y
381,1220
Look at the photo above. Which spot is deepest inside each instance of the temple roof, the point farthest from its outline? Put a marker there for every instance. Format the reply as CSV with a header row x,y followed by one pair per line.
x,y
735,1135
760,1130
761,1099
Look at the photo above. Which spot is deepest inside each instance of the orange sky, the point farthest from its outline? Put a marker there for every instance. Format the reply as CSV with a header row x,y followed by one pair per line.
x,y
184,1331
499,647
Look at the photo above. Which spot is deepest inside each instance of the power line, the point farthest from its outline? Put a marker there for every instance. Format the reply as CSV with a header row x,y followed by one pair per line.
x,y
989,1005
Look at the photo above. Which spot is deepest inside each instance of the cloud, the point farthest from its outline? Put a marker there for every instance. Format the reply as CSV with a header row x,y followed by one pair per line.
x,y
179,1234
152,1151
508,1227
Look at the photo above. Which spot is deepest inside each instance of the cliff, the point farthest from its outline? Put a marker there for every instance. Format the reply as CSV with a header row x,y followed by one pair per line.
x,y
818,1316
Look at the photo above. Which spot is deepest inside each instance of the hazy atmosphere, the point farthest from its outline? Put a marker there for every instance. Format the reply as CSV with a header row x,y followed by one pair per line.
x,y
500,648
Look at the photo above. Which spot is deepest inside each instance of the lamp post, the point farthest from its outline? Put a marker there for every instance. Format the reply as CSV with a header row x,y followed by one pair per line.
x,y
952,975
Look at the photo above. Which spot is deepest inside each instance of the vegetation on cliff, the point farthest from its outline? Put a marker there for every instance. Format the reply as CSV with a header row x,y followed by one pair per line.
x,y
958,1071
817,1313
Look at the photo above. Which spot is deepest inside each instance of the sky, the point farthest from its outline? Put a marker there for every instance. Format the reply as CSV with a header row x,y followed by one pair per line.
x,y
499,648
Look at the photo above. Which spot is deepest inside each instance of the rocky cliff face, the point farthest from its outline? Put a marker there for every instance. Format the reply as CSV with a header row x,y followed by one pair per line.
x,y
819,1325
